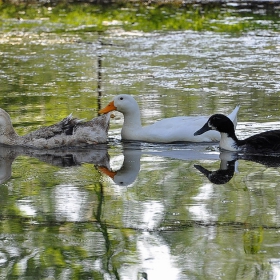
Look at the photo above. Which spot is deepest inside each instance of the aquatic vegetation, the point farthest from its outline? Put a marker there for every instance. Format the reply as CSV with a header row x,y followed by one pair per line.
x,y
89,17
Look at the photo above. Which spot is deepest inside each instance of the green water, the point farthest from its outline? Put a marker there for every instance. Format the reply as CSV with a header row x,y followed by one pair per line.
x,y
159,217
223,17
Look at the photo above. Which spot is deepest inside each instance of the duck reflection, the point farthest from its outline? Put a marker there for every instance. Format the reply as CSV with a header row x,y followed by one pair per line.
x,y
228,165
96,155
226,171
128,173
133,151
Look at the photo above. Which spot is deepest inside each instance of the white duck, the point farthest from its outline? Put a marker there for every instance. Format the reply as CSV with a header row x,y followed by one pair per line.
x,y
66,133
168,130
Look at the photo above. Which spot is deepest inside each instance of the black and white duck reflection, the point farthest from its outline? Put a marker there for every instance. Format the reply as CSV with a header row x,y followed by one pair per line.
x,y
229,165
224,174
56,157
262,143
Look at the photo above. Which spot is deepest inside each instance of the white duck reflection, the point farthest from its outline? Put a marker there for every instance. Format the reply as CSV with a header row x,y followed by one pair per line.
x,y
63,157
128,173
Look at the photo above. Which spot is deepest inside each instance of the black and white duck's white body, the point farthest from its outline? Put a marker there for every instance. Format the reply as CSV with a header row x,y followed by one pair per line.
x,y
176,129
66,133
265,142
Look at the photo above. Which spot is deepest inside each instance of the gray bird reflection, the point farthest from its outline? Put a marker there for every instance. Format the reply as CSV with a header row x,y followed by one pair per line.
x,y
97,155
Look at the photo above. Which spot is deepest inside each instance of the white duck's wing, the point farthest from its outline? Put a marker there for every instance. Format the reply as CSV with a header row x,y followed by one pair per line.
x,y
233,115
178,129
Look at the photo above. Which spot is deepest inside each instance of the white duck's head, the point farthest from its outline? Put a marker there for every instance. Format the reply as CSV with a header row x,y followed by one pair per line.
x,y
123,103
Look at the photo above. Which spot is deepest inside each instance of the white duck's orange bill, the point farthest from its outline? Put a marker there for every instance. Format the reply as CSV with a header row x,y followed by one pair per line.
x,y
106,171
110,107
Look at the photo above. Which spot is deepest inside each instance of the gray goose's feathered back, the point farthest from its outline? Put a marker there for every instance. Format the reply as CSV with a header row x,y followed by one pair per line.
x,y
68,132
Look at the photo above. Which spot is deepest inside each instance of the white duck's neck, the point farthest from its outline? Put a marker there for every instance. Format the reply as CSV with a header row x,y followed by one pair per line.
x,y
132,124
133,117
228,143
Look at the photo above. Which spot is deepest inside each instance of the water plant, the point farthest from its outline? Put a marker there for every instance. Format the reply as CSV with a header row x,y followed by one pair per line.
x,y
92,17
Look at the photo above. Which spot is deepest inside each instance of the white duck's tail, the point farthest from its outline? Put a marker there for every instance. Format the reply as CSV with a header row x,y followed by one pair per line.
x,y
233,115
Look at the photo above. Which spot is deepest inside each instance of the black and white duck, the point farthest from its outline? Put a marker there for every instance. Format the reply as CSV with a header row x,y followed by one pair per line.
x,y
265,142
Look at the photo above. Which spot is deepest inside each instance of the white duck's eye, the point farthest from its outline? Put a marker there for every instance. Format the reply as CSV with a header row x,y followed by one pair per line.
x,y
121,98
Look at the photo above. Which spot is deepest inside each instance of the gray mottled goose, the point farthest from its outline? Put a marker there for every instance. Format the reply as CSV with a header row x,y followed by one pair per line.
x,y
66,133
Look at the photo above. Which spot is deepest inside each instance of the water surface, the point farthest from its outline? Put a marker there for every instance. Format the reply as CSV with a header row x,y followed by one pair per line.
x,y
157,216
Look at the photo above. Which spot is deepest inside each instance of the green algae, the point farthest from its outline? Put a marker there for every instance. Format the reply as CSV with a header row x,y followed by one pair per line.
x,y
89,17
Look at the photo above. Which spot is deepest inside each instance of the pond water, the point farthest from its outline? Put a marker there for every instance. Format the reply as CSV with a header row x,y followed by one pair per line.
x,y
157,216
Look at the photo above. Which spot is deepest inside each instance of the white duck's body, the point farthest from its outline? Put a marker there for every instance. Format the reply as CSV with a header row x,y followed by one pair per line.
x,y
66,133
176,129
